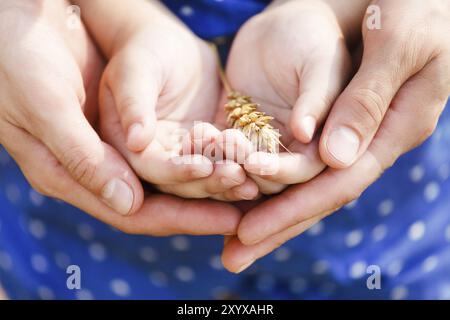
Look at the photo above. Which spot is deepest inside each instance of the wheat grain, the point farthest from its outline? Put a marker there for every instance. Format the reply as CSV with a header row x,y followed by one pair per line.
x,y
243,115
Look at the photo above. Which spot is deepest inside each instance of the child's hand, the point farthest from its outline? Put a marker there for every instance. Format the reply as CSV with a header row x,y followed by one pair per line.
x,y
293,60
161,79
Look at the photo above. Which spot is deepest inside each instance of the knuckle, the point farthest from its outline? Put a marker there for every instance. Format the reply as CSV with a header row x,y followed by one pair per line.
x,y
81,163
370,107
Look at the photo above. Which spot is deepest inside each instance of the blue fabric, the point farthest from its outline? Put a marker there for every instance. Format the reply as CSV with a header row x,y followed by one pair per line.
x,y
401,223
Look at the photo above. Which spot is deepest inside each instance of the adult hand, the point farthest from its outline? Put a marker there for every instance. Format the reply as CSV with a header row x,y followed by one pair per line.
x,y
391,105
49,76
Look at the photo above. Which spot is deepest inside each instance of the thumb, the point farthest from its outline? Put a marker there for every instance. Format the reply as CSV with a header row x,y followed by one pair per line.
x,y
135,91
359,110
93,164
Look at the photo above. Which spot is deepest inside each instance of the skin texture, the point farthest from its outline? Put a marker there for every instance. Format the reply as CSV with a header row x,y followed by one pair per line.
x,y
149,85
403,77
49,76
293,60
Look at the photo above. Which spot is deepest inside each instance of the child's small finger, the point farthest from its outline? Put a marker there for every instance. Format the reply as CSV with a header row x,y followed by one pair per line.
x,y
158,166
202,135
227,175
234,145
247,191
266,186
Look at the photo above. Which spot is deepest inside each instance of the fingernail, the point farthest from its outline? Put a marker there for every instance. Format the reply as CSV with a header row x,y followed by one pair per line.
x,y
245,266
343,144
135,132
308,124
118,195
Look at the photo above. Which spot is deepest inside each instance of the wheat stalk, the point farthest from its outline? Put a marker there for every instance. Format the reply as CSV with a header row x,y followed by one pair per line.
x,y
243,115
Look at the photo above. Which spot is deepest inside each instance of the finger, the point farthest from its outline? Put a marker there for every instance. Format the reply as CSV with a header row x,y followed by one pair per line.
x,y
158,166
225,176
159,215
246,191
233,146
266,186
135,86
360,109
301,165
93,164
399,133
236,257
201,136
154,164
321,80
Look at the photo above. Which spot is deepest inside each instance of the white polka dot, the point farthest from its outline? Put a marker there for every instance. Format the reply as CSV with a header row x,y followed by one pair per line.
x,y
62,260
399,293
39,263
265,282
86,231
394,268
180,243
444,292
379,232
358,269
282,254
430,264
354,238
45,293
316,229
431,191
298,285
417,173
120,287
13,193
37,229
216,262
416,231
447,233
84,294
444,171
36,198
386,207
351,205
159,278
97,251
5,261
148,254
320,267
184,274
186,10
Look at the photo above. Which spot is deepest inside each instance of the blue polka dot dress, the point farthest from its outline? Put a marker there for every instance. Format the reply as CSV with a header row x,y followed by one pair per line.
x,y
401,224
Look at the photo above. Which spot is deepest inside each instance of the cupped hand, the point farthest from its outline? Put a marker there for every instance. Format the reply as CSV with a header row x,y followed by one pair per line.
x,y
293,60
49,77
391,105
157,95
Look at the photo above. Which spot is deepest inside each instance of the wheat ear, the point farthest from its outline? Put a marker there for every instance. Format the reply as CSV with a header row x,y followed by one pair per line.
x,y
243,115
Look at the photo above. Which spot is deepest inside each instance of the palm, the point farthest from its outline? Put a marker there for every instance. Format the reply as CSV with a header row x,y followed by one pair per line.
x,y
279,57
